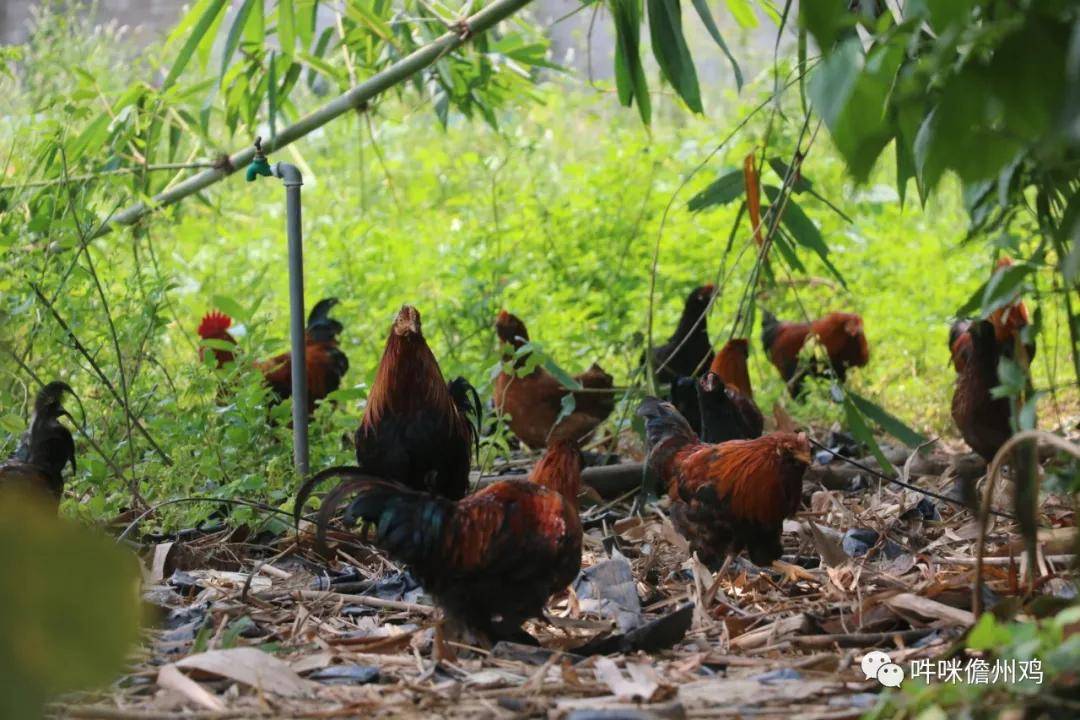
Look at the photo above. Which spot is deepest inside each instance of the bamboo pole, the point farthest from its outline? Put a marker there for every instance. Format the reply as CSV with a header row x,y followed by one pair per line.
x,y
355,98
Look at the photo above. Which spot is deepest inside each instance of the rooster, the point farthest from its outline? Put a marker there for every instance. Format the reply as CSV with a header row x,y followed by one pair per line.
x,y
44,449
840,333
727,496
535,401
492,559
417,429
983,420
326,363
688,352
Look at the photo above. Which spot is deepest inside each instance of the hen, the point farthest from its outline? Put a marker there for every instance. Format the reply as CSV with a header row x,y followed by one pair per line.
x,y
417,429
326,363
492,559
720,406
44,449
727,496
688,352
841,334
534,401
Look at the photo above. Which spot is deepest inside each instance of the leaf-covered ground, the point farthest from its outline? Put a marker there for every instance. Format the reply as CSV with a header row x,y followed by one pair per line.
x,y
261,626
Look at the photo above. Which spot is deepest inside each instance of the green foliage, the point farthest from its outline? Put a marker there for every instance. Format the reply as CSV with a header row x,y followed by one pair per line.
x,y
70,609
1050,641
464,221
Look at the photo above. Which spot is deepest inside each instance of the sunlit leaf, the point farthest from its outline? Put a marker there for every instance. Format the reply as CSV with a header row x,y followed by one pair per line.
x,y
198,34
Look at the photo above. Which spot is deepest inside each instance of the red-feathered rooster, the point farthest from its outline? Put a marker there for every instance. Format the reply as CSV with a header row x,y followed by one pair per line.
x,y
688,352
417,429
840,333
728,496
326,363
491,559
44,449
534,401
720,406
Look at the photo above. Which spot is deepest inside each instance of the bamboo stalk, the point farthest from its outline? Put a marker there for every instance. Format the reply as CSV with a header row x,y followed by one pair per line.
x,y
355,98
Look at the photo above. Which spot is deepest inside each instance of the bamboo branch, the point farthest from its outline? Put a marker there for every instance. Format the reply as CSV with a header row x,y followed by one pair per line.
x,y
355,98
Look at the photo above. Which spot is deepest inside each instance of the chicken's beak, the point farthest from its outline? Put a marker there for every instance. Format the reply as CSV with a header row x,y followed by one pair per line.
x,y
802,450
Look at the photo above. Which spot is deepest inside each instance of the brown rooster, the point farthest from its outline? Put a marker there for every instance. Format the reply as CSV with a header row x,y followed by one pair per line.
x,y
492,559
534,401
983,420
44,449
417,429
326,363
840,333
728,496
688,352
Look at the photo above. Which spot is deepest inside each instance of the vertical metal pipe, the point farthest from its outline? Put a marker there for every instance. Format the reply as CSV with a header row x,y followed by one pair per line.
x,y
293,181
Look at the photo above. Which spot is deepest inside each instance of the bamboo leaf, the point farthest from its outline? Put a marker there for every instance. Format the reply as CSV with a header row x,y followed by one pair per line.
x,y
630,77
744,14
705,14
856,424
671,53
305,21
726,188
286,26
886,421
198,34
235,33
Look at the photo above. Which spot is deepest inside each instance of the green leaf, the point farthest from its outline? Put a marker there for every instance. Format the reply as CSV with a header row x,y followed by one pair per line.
x,y
851,92
91,138
670,51
565,379
703,11
743,13
856,424
987,634
886,421
235,33
54,640
198,34
230,307
286,26
827,21
305,21
630,80
782,169
997,292
726,188
12,423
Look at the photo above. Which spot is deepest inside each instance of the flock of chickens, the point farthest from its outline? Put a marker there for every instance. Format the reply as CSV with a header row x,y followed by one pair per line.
x,y
492,558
